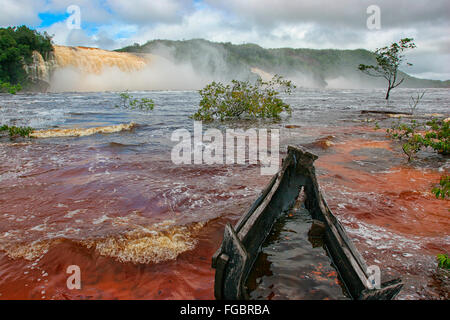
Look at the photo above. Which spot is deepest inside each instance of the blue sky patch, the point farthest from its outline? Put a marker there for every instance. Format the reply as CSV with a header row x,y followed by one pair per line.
x,y
50,18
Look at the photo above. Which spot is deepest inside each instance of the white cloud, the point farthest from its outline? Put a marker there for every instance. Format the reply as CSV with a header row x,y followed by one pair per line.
x,y
91,11
78,37
336,13
199,24
146,12
269,23
18,12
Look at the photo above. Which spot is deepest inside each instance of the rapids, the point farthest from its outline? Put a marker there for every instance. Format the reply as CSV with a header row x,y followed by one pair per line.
x,y
141,227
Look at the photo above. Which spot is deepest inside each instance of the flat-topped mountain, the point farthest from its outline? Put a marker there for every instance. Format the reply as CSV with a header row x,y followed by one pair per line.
x,y
307,67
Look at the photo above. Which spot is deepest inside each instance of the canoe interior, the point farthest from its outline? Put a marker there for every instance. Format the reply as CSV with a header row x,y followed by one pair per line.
x,y
293,262
241,245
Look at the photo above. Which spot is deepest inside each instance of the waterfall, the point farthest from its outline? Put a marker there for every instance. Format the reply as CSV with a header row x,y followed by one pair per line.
x,y
86,69
94,61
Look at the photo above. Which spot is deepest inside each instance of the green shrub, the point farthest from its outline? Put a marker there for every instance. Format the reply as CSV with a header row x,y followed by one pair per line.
x,y
7,87
433,133
438,137
443,261
129,102
17,131
377,126
443,190
241,99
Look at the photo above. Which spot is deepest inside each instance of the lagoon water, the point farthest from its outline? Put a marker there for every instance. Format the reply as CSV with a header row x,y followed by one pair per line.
x,y
141,227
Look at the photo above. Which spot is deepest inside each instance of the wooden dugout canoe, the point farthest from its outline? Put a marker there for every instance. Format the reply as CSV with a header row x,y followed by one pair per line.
x,y
241,245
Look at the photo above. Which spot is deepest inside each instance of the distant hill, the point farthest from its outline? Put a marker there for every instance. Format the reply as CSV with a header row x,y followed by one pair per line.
x,y
307,67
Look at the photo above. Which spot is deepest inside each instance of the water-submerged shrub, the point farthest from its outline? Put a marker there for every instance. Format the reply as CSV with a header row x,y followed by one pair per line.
x,y
443,261
433,133
17,131
443,189
242,99
129,102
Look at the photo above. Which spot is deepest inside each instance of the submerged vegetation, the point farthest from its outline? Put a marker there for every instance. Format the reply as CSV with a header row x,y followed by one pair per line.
x,y
433,133
416,135
443,261
242,99
415,102
443,189
17,131
129,102
16,48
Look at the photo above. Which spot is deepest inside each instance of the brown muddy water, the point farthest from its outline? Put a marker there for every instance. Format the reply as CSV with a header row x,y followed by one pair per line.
x,y
139,227
294,264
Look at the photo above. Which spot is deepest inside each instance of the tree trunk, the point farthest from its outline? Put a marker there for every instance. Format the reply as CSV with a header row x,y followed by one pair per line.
x,y
387,93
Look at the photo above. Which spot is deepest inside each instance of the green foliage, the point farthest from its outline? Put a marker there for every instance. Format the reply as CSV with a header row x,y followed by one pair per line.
x,y
9,88
16,47
388,60
17,131
443,261
377,126
433,133
443,190
241,99
438,137
129,102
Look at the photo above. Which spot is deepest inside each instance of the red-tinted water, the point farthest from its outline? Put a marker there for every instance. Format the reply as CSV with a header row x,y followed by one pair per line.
x,y
389,210
138,228
141,228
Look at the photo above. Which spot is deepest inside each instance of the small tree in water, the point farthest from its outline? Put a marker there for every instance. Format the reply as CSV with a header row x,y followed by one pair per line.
x,y
129,102
388,61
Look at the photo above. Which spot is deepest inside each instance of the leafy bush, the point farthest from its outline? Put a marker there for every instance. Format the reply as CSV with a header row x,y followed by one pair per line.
x,y
443,190
241,99
129,102
434,133
17,131
7,87
439,136
443,261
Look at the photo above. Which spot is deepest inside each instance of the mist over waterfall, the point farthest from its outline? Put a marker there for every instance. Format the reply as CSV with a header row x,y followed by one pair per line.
x,y
90,69
191,64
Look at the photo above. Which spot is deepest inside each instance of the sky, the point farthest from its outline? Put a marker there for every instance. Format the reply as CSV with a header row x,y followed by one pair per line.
x,y
319,24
